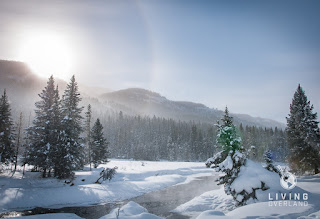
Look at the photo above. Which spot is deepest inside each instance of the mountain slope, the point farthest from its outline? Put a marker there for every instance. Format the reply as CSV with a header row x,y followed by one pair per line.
x,y
23,87
21,84
149,103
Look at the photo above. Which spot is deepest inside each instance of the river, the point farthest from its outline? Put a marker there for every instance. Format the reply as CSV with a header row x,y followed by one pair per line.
x,y
159,202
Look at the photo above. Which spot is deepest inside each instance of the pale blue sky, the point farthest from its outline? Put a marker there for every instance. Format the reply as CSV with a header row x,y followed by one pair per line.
x,y
249,55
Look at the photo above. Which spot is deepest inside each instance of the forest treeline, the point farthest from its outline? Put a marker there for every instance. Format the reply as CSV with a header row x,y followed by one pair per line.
x,y
166,139
62,137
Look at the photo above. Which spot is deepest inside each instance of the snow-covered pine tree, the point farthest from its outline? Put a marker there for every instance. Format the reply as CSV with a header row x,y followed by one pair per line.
x,y
6,130
227,137
98,144
18,142
171,147
88,135
44,134
230,142
227,140
268,157
71,149
233,162
194,142
303,134
227,119
55,152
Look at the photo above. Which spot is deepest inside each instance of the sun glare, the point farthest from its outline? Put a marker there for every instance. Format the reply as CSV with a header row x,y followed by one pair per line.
x,y
47,54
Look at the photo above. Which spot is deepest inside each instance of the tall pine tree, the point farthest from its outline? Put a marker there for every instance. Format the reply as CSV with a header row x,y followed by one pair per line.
x,y
303,134
44,133
71,148
55,152
98,145
18,142
6,130
88,135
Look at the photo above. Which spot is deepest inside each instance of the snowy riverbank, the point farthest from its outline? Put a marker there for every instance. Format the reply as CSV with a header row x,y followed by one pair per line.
x,y
134,178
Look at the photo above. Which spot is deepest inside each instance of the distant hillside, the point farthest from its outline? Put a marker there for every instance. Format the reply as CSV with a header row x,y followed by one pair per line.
x,y
149,103
21,84
23,88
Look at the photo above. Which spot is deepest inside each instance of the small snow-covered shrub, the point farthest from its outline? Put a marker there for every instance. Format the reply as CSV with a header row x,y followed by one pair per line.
x,y
247,181
107,174
254,183
269,163
251,152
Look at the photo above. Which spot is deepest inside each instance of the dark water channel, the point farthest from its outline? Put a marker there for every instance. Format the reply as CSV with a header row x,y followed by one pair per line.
x,y
158,202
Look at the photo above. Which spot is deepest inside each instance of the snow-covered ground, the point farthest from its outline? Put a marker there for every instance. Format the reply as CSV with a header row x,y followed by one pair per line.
x,y
133,178
304,202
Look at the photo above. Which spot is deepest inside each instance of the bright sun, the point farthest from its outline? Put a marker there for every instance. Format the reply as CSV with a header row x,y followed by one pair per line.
x,y
47,54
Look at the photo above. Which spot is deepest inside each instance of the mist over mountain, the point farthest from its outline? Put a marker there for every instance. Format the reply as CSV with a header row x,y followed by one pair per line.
x,y
23,87
21,84
149,103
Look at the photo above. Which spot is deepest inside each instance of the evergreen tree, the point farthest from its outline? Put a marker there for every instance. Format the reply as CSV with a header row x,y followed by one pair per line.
x,y
18,142
228,137
55,152
193,142
230,142
71,149
44,134
303,134
227,119
6,130
210,149
88,134
268,157
98,144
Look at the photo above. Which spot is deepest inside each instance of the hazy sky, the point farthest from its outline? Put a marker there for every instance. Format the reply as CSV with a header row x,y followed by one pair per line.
x,y
249,55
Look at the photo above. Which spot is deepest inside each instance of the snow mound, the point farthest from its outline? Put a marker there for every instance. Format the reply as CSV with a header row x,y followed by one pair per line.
x,y
52,216
215,200
131,210
263,210
212,214
311,216
253,176
259,210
